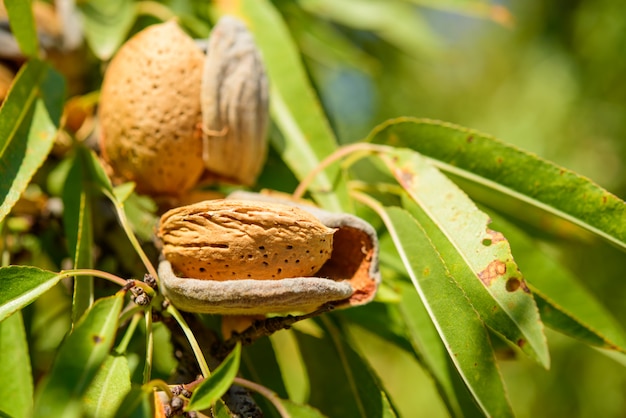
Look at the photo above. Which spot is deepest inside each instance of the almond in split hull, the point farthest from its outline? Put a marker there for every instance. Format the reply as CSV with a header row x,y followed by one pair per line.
x,y
231,239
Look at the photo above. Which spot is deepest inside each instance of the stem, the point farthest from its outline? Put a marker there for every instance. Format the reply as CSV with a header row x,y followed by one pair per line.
x,y
160,385
342,152
123,345
95,273
195,347
130,312
266,393
119,209
147,368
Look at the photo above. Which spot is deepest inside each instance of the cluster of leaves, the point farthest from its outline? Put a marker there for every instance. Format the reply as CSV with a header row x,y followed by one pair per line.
x,y
452,296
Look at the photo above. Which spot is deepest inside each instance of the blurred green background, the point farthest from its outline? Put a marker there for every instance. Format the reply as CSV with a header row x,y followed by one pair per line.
x,y
544,75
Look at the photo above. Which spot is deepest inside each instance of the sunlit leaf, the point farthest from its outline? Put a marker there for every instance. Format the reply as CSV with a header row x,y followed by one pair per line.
x,y
20,285
29,120
212,388
123,191
565,305
16,382
342,384
459,326
487,163
295,108
79,359
478,259
108,389
433,355
107,23
23,26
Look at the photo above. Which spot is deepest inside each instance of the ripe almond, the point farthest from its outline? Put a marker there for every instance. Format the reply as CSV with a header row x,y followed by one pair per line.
x,y
239,239
235,110
150,110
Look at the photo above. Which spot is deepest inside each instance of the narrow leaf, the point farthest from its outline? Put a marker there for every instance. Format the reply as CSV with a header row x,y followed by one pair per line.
x,y
479,259
259,364
342,384
212,388
108,389
79,359
16,382
107,23
434,356
295,108
564,303
458,325
77,222
23,25
29,120
484,161
20,285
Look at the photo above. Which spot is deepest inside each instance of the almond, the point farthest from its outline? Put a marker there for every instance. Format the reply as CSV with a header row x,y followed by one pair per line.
x,y
239,239
150,111
235,110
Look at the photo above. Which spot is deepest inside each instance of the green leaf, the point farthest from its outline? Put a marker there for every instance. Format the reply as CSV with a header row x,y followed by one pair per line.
x,y
459,326
384,320
23,26
123,191
141,212
433,355
478,259
108,389
97,175
79,359
295,108
564,304
259,364
16,382
29,120
20,285
78,226
342,383
107,22
212,388
487,163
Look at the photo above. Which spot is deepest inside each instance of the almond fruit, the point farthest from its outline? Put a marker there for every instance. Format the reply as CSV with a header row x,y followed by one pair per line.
x,y
234,98
150,111
239,239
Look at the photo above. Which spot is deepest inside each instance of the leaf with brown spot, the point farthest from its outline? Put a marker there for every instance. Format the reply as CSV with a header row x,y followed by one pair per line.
x,y
479,259
462,331
511,180
564,303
